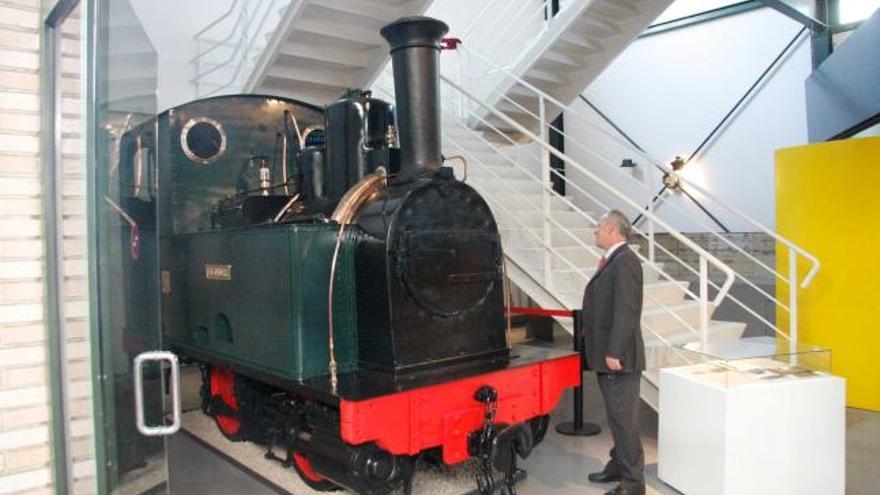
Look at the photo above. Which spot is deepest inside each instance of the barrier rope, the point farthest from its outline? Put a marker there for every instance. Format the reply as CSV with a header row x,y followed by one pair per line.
x,y
533,311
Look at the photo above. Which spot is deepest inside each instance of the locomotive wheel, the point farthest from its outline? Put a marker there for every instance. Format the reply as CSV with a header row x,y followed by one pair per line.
x,y
309,476
222,383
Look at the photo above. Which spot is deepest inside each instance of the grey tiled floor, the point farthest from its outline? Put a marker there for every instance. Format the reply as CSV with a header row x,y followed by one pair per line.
x,y
559,465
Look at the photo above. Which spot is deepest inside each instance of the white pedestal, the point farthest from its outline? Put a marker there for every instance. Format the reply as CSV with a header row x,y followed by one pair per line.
x,y
724,433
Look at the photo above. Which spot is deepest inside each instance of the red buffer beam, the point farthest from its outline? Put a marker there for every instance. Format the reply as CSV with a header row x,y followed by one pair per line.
x,y
443,415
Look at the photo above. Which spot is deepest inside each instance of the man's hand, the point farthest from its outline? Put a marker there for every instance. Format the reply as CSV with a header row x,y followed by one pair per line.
x,y
613,364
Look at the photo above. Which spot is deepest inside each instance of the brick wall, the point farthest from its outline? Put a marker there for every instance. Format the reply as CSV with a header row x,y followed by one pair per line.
x,y
25,415
757,244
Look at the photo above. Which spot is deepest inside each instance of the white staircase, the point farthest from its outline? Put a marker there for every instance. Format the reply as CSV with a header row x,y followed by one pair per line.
x,y
323,47
671,312
564,54
132,67
496,113
548,238
314,51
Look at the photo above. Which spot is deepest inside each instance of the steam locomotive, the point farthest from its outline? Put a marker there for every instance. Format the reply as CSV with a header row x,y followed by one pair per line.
x,y
343,296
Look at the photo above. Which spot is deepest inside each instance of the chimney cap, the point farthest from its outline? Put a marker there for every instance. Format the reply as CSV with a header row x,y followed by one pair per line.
x,y
415,31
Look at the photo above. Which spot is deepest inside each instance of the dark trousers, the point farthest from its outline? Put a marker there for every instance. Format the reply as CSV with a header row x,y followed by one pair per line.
x,y
621,394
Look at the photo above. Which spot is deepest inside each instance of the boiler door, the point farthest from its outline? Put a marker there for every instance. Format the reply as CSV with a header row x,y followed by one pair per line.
x,y
449,273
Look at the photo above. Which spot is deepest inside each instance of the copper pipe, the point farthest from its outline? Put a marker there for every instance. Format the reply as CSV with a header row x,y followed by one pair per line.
x,y
506,285
463,161
299,136
286,208
284,171
138,166
369,189
366,191
334,379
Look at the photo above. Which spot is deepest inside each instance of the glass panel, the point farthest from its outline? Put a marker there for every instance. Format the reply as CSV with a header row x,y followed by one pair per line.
x,y
756,360
127,254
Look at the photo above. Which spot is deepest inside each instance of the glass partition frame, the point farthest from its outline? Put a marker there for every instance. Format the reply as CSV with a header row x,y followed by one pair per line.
x,y
122,325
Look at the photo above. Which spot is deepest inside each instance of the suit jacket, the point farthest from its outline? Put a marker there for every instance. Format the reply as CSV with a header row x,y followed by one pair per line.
x,y
612,313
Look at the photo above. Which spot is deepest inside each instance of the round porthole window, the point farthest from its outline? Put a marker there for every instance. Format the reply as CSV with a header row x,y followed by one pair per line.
x,y
315,137
203,140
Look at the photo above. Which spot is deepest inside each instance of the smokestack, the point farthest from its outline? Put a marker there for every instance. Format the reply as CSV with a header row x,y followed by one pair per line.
x,y
415,52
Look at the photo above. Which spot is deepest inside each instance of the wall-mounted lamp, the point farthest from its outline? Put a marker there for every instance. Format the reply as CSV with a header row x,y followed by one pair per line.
x,y
628,163
671,179
677,164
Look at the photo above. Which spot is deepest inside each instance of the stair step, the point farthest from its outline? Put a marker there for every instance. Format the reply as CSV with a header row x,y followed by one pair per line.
x,y
515,110
535,219
323,76
532,201
473,141
496,123
522,90
613,10
569,284
661,320
545,77
329,54
659,355
533,258
329,29
315,93
489,157
534,237
510,186
595,27
650,390
560,60
372,13
584,44
665,292
479,170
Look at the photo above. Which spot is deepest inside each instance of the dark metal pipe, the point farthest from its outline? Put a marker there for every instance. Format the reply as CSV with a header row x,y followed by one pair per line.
x,y
415,52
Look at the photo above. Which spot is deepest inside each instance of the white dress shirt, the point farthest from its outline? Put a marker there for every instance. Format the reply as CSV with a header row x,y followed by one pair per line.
x,y
610,251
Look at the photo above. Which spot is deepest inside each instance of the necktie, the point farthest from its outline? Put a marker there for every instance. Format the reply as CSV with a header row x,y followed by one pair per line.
x,y
602,262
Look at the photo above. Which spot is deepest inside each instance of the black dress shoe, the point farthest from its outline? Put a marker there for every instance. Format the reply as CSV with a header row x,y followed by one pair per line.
x,y
603,477
620,490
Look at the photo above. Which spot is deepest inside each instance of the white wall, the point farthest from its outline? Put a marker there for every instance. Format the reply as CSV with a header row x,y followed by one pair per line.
x,y
684,8
869,132
668,91
170,24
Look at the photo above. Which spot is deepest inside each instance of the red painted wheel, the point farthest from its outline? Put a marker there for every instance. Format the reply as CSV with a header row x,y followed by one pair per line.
x,y
222,383
311,477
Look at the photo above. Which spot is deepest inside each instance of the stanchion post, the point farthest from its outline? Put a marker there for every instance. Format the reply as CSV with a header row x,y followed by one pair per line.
x,y
577,427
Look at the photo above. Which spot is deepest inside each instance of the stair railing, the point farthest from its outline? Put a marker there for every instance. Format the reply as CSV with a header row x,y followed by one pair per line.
x,y
705,258
498,206
507,29
218,70
549,107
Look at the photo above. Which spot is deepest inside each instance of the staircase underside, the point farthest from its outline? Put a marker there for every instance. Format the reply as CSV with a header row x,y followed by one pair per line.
x,y
323,47
581,41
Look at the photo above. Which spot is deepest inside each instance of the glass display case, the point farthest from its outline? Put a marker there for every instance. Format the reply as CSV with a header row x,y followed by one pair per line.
x,y
754,360
753,415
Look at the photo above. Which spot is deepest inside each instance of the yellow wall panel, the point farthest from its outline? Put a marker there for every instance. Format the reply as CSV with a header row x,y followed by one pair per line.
x,y
828,202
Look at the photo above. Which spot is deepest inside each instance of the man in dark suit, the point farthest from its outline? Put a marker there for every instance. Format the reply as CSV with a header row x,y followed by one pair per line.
x,y
613,347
